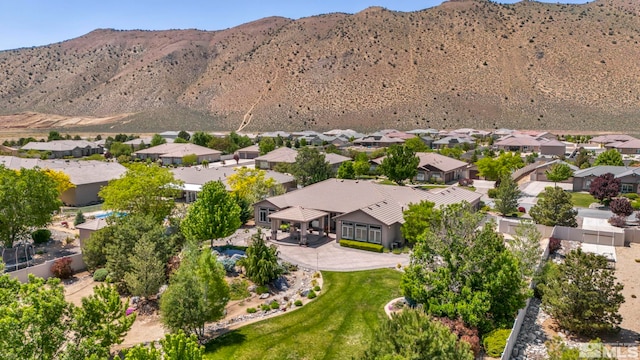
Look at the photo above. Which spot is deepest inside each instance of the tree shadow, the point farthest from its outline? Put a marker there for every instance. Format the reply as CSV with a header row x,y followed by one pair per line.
x,y
226,339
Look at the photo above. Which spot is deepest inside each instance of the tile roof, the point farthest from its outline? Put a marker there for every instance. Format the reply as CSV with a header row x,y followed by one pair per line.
x,y
438,161
609,138
298,214
513,140
177,150
79,172
384,202
558,161
252,148
631,144
195,177
95,224
601,170
59,145
281,154
335,159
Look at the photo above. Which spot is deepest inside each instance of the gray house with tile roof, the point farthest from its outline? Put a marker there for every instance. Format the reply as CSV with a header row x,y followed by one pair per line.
x,y
629,177
354,210
59,149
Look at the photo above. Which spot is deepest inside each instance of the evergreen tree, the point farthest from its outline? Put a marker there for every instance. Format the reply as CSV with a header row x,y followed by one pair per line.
x,y
559,172
346,171
554,208
147,272
507,196
610,157
311,167
261,261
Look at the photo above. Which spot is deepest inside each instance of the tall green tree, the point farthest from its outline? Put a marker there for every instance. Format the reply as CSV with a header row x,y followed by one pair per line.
x,y
201,138
400,164
460,269
559,172
495,168
361,165
197,293
184,135
419,219
145,189
38,323
553,208
28,198
214,215
582,159
261,263
147,272
525,245
176,346
156,140
346,171
416,145
266,145
584,298
610,157
118,149
506,200
311,167
253,184
54,135
412,334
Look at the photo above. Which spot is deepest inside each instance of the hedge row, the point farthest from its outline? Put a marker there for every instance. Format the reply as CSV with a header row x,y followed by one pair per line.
x,y
361,245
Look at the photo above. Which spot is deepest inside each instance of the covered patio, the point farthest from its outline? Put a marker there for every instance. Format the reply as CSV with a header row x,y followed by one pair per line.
x,y
299,219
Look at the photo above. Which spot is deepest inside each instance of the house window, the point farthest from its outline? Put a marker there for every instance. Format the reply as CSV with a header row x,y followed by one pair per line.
x,y
587,184
626,188
375,234
263,215
420,176
264,164
361,232
347,230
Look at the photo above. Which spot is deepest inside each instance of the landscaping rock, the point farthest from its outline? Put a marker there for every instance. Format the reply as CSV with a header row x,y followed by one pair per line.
x,y
162,289
264,296
281,284
252,288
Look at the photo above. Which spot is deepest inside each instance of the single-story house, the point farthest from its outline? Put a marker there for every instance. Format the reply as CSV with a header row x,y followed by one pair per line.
x,y
347,133
631,147
87,176
287,155
352,209
437,167
453,141
89,227
377,140
65,148
603,140
249,152
172,153
194,177
540,172
629,177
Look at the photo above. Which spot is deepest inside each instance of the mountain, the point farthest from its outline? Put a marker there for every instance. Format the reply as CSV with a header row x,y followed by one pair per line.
x,y
468,63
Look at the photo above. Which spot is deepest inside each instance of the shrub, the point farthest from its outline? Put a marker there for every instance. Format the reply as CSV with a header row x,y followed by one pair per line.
x,y
621,207
79,218
635,205
262,289
548,272
274,305
495,341
618,221
41,236
522,210
297,303
100,275
492,193
464,333
465,182
238,289
361,245
311,295
265,307
251,310
61,268
554,245
316,288
631,196
397,251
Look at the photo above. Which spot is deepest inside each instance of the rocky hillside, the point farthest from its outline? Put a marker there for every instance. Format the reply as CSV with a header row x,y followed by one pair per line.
x,y
469,63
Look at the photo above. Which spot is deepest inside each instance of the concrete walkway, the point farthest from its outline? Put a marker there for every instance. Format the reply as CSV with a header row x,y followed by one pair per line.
x,y
328,255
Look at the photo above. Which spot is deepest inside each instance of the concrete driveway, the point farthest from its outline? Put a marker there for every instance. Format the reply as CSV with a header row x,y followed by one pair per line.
x,y
531,190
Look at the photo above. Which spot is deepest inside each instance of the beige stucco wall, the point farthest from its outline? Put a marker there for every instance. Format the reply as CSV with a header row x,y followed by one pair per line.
x,y
390,234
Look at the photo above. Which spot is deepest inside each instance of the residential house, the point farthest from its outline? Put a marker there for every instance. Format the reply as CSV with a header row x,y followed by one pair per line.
x,y
288,156
603,140
249,152
87,176
89,227
194,178
434,167
355,210
275,134
347,134
453,141
172,153
629,177
630,147
527,143
59,149
142,142
378,141
540,172
424,132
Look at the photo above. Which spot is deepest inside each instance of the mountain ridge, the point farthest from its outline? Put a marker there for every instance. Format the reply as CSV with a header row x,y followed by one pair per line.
x,y
467,63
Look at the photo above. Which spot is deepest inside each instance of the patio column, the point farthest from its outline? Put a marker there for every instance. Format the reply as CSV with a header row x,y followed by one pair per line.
x,y
275,224
321,232
303,233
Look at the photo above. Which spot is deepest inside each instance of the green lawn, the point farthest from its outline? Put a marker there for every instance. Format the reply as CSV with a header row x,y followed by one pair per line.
x,y
432,186
337,325
582,199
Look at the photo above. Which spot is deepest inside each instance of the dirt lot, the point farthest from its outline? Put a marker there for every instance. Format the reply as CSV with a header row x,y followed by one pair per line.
x,y
627,270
